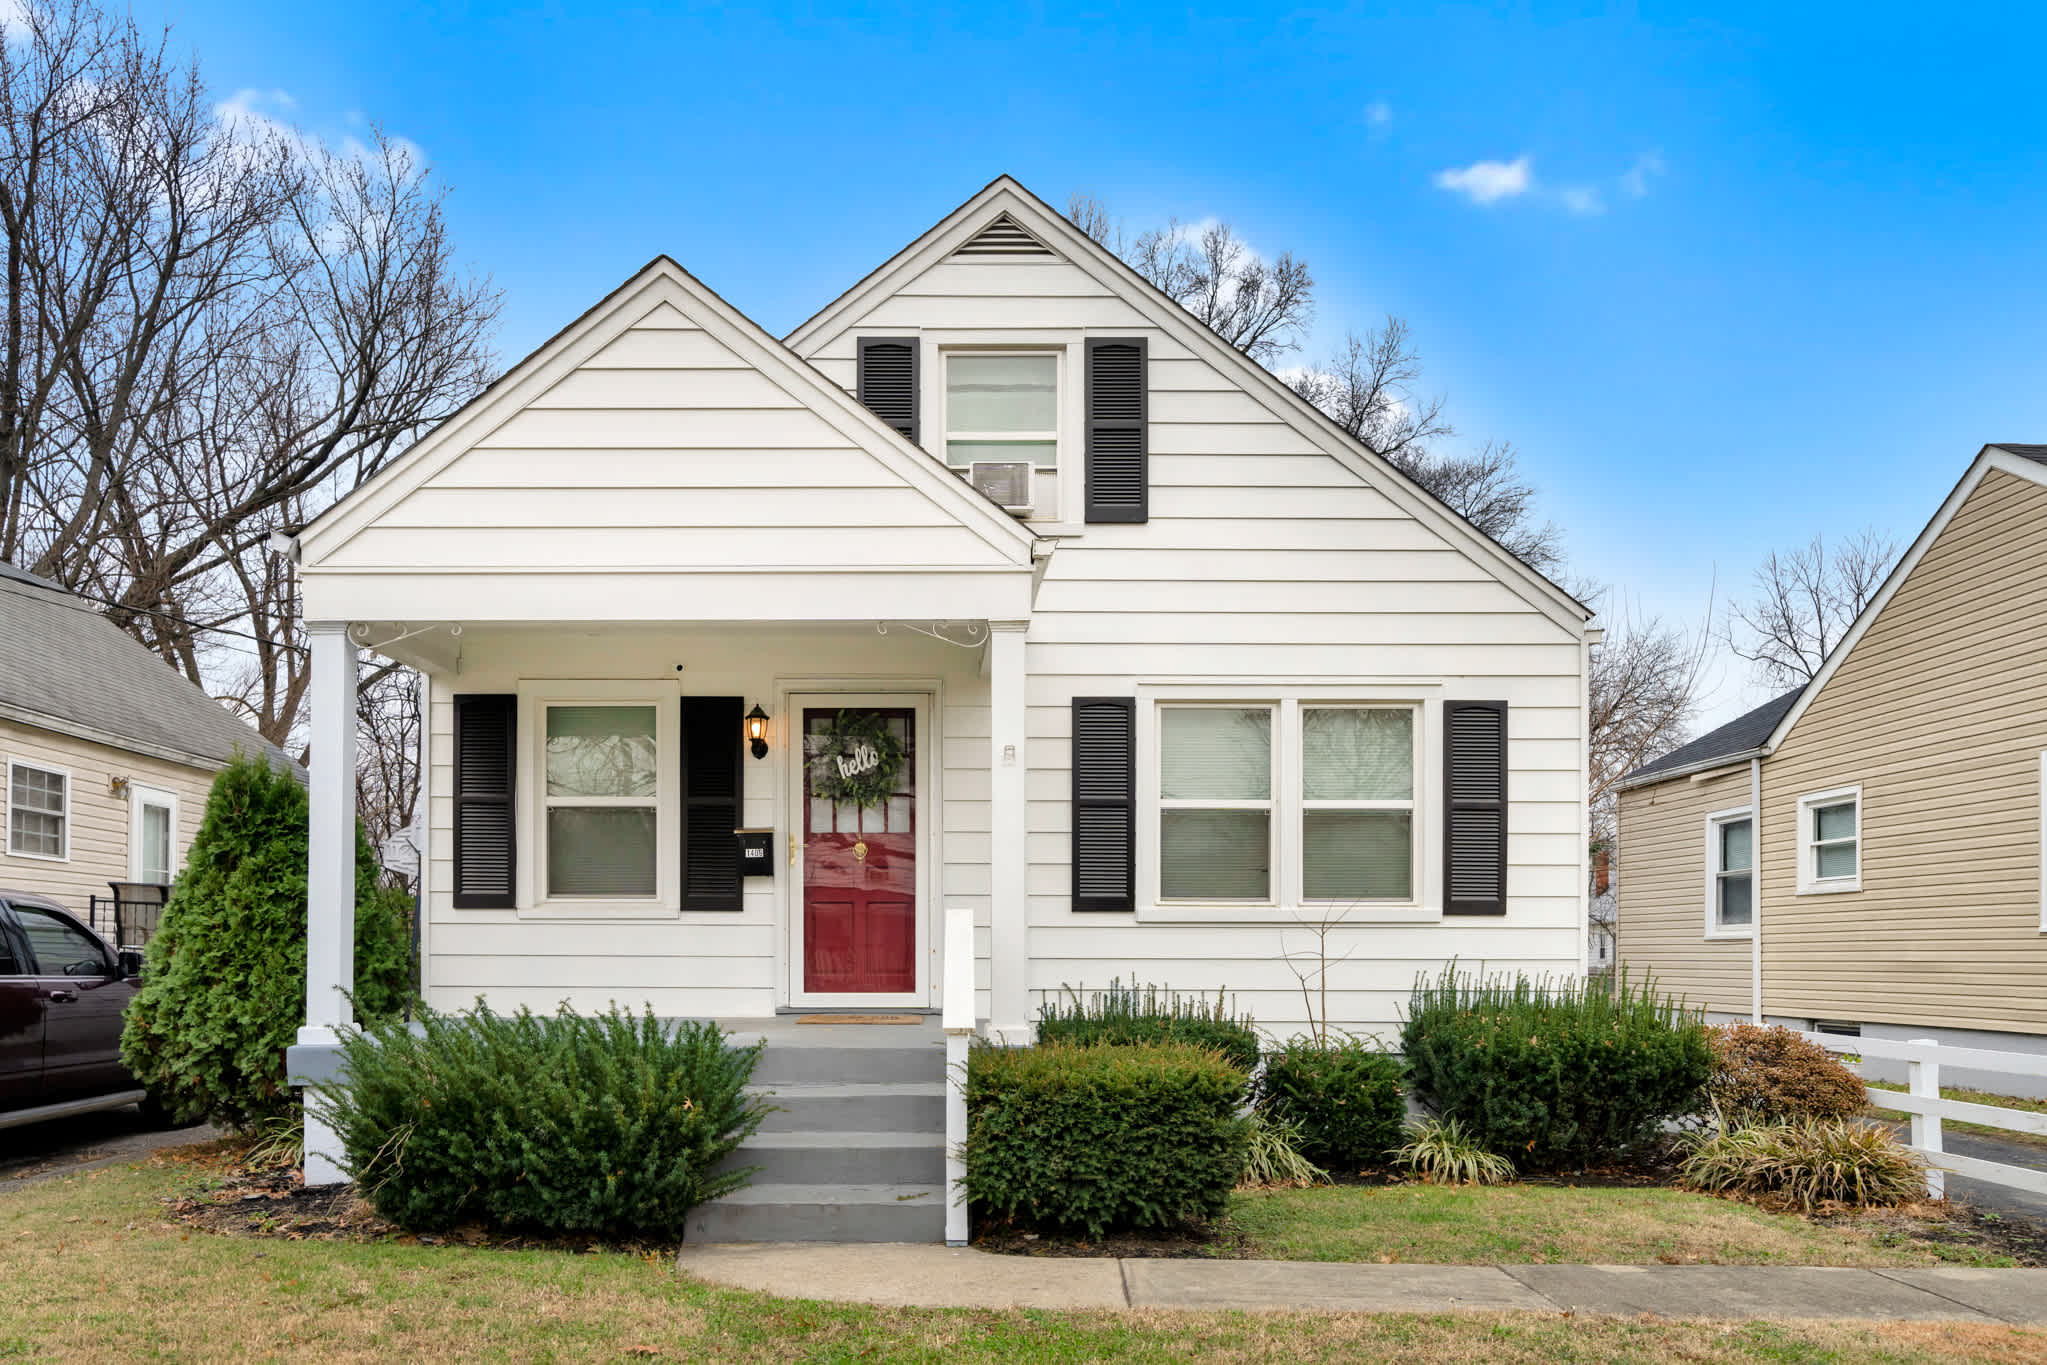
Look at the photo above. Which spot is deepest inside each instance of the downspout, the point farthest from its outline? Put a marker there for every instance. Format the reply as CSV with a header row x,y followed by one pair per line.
x,y
1755,863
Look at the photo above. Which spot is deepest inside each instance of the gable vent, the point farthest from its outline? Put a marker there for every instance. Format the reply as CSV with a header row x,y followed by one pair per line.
x,y
1003,237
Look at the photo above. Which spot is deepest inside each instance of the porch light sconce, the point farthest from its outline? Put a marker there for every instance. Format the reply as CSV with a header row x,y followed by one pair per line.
x,y
757,730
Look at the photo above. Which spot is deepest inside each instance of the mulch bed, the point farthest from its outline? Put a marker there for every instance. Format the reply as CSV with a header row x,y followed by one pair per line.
x,y
257,1200
1221,1240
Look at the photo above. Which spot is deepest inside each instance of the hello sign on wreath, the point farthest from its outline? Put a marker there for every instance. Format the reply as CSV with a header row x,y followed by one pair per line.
x,y
859,760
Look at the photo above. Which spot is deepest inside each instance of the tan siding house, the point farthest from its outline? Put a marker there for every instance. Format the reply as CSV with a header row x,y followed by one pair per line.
x,y
106,754
1900,870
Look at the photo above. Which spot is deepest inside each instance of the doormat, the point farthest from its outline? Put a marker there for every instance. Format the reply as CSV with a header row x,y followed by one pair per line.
x,y
859,1018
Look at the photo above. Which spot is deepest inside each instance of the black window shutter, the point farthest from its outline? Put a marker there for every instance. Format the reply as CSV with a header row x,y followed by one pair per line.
x,y
712,788
888,380
1475,808
486,844
1118,477
1104,803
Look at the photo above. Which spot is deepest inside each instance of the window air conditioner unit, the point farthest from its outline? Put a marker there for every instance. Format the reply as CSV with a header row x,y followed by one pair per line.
x,y
1008,482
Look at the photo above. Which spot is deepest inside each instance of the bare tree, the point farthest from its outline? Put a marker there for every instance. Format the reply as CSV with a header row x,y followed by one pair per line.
x,y
1643,696
1261,307
1805,601
214,326
387,771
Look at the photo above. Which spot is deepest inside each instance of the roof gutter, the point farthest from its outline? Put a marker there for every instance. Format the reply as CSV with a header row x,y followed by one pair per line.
x,y
1702,768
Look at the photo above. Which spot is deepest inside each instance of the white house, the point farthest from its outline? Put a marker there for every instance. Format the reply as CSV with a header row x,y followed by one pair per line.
x,y
1182,670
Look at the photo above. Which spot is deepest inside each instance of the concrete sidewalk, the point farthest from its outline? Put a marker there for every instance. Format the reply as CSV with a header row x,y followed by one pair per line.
x,y
951,1277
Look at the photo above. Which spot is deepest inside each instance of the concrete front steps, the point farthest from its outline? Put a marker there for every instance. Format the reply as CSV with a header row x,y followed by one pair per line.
x,y
855,1150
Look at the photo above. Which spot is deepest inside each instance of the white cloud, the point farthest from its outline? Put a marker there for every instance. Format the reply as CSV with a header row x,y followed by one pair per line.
x,y
1378,116
1635,182
1486,182
14,19
1583,200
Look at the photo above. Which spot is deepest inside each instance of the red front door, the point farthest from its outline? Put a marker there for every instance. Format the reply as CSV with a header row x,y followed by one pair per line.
x,y
860,874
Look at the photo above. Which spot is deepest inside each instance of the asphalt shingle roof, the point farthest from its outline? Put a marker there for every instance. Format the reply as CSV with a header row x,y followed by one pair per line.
x,y
1738,736
62,660
2036,453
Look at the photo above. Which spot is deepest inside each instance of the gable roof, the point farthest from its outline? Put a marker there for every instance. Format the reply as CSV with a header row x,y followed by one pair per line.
x,y
65,667
663,281
1004,197
1741,738
2028,462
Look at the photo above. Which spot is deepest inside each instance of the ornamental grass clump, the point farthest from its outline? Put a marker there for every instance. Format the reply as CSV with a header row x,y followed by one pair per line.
x,y
1124,1015
1345,1098
1807,1162
1272,1156
1550,1074
1102,1137
612,1125
1442,1153
1771,1075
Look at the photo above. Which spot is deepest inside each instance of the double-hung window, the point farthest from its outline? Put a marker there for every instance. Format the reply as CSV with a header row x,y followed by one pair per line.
x,y
38,812
1357,803
1002,405
1731,877
1830,841
1215,803
603,780
1287,802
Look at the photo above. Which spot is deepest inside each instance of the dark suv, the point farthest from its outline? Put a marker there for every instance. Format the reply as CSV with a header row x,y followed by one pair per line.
x,y
62,993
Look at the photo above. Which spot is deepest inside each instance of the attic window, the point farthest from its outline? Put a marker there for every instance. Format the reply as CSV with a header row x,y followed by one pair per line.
x,y
1003,237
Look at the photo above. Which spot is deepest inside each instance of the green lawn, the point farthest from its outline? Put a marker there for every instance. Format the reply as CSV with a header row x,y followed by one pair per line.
x,y
93,1272
1549,1223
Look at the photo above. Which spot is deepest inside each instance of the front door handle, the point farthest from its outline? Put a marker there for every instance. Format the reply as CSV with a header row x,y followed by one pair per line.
x,y
63,997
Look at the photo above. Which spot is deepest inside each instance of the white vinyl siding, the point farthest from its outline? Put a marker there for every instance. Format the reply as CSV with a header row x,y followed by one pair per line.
x,y
1264,559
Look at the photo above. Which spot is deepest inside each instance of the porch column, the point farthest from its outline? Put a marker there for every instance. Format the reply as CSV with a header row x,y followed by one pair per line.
x,y
1009,1015
330,869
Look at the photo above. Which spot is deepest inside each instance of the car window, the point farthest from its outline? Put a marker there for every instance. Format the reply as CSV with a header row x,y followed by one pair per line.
x,y
61,948
10,965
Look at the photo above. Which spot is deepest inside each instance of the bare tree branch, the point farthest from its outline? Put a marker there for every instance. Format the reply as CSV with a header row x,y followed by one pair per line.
x,y
1805,601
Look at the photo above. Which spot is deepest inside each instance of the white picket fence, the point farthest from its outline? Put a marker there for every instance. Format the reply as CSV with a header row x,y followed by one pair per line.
x,y
1922,1100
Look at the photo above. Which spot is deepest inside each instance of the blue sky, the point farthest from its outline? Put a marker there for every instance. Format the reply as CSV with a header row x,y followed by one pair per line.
x,y
1726,282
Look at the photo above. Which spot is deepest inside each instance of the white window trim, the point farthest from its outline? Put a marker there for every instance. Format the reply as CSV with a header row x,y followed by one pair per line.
x,y
1069,349
1425,906
138,798
1810,883
534,699
1714,820
8,804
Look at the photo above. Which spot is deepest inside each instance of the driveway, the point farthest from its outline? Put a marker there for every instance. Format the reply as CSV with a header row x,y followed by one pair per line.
x,y
63,1145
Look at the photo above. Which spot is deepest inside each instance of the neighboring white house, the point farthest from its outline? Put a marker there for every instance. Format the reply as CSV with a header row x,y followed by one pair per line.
x,y
1183,669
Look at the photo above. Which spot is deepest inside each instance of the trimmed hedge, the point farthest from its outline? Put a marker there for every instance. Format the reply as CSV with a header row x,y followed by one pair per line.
x,y
607,1125
224,982
1126,1015
1345,1098
1771,1075
1103,1137
1551,1075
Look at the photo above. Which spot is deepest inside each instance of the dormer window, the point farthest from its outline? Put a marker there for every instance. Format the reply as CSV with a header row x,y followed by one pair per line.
x,y
1002,405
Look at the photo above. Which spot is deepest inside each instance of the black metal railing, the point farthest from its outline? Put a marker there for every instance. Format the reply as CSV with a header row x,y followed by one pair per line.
x,y
129,917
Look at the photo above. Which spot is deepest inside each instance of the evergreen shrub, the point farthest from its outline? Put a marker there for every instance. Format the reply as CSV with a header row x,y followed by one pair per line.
x,y
1104,1137
1126,1015
610,1125
1552,1074
224,977
1345,1097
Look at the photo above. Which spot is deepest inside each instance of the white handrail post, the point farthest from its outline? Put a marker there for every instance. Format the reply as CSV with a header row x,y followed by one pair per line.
x,y
958,1020
1923,1078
